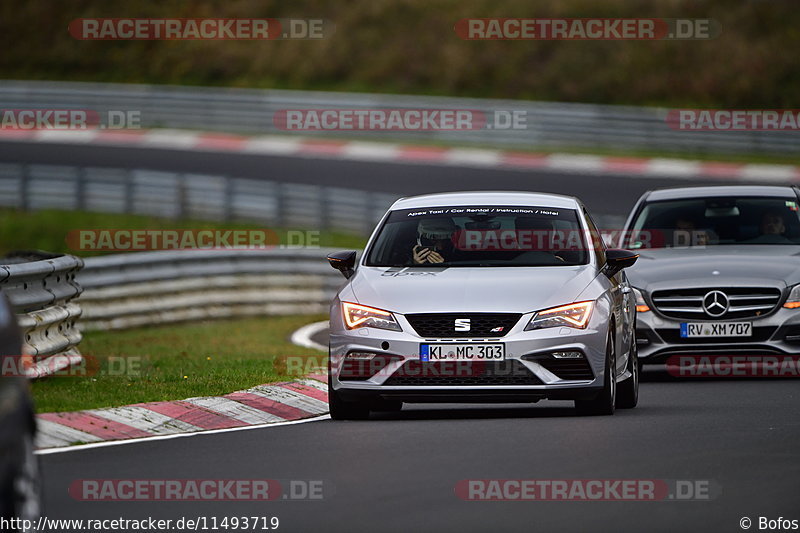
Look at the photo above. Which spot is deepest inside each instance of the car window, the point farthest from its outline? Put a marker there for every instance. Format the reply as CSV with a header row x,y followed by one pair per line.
x,y
473,236
716,221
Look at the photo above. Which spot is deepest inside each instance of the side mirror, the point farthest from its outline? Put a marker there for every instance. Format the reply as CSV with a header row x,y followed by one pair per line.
x,y
344,262
617,259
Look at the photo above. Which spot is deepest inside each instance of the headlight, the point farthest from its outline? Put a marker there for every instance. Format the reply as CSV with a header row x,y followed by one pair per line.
x,y
641,304
361,316
793,301
573,315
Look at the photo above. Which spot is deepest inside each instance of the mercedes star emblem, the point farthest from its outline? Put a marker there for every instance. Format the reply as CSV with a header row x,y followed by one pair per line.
x,y
715,303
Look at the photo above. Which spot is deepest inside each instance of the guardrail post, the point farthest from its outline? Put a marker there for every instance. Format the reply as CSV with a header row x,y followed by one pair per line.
x,y
181,192
42,293
371,199
24,179
227,207
80,189
280,205
128,191
324,208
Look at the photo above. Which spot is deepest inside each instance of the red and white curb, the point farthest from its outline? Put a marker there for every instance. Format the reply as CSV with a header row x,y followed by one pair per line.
x,y
264,404
405,153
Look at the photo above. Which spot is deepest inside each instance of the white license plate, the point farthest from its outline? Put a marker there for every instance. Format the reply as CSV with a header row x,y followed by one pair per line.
x,y
462,352
716,329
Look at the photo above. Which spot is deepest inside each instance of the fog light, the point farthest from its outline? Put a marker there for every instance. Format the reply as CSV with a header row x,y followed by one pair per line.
x,y
360,366
567,355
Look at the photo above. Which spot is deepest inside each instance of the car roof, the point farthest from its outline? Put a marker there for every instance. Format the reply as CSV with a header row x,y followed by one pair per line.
x,y
679,193
520,198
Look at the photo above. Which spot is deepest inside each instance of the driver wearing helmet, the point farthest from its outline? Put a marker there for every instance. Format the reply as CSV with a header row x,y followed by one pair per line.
x,y
434,241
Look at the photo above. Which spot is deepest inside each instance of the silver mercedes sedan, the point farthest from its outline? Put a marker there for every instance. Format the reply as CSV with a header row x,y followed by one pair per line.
x,y
483,297
719,276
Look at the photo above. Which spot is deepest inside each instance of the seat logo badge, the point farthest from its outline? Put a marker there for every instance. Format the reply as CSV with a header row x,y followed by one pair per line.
x,y
498,329
715,303
461,324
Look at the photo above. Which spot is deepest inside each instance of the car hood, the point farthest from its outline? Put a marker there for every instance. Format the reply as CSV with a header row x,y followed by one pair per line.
x,y
479,289
716,266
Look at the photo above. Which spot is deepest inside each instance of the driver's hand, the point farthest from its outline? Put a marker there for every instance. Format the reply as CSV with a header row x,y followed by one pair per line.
x,y
421,255
435,257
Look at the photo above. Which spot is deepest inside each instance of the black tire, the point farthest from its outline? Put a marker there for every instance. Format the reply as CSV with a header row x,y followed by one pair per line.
x,y
628,390
605,402
342,410
24,484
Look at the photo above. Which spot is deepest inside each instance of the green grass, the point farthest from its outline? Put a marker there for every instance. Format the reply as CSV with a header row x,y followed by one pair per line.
x,y
48,229
174,362
158,363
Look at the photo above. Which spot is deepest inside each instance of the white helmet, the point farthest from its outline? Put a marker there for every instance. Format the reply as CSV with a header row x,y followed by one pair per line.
x,y
437,229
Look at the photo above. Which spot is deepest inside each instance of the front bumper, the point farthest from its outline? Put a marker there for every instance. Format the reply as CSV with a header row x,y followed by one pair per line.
x,y
658,337
529,372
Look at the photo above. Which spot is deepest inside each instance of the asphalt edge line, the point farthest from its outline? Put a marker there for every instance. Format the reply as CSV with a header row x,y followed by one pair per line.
x,y
302,337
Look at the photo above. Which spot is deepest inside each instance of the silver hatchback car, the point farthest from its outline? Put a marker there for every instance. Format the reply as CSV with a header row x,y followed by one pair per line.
x,y
483,297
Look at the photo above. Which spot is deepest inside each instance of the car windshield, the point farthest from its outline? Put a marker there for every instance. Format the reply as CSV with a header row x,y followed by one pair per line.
x,y
716,221
474,236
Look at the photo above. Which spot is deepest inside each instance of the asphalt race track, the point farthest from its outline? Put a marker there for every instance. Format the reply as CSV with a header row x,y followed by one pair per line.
x,y
603,194
398,471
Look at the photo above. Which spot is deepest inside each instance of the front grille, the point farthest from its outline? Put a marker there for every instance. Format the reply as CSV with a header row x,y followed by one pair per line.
x,y
443,325
673,336
744,302
462,373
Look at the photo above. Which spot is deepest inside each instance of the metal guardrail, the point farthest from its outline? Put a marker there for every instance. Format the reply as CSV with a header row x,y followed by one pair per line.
x,y
122,291
251,111
193,196
201,197
148,288
41,288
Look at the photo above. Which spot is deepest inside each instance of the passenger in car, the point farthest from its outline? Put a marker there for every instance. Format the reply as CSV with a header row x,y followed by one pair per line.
x,y
434,241
773,229
687,234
